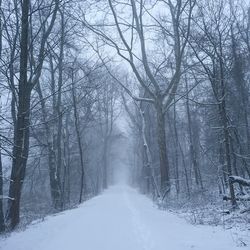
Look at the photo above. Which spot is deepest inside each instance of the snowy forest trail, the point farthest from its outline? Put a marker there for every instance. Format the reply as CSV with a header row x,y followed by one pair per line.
x,y
118,219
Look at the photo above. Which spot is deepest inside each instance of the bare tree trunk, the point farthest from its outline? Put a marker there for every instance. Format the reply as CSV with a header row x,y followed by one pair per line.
x,y
2,223
225,124
193,153
227,150
185,170
68,157
238,76
105,141
222,174
240,84
148,165
176,138
66,163
14,98
79,141
105,163
245,164
21,132
164,164
59,113
235,163
54,185
1,30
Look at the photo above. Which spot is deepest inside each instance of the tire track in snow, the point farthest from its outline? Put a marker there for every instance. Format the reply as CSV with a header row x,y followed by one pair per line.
x,y
141,231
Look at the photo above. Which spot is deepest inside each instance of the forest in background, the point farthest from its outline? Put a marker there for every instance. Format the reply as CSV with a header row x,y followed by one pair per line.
x,y
175,72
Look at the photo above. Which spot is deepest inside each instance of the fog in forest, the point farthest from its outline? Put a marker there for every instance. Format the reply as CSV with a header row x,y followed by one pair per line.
x,y
128,118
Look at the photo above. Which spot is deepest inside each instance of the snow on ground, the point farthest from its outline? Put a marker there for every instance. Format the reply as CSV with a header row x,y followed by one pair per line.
x,y
120,219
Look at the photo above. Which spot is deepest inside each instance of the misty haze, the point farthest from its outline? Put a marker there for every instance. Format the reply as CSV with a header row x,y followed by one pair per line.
x,y
124,124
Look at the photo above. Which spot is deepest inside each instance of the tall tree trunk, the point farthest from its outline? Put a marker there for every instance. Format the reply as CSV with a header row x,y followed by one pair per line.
x,y
222,170
68,160
164,164
54,185
244,163
60,114
148,158
226,133
2,224
21,132
105,162
227,150
79,141
176,138
193,153
1,31
238,76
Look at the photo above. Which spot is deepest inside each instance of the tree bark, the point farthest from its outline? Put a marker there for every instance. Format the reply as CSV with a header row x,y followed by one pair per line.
x,y
1,31
176,138
21,132
193,153
54,185
79,140
238,76
2,223
60,114
148,158
161,133
226,134
105,163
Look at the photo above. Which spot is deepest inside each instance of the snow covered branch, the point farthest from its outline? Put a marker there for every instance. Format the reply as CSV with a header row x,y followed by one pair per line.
x,y
239,180
6,197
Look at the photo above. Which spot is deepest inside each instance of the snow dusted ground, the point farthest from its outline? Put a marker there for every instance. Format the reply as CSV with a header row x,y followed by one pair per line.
x,y
120,219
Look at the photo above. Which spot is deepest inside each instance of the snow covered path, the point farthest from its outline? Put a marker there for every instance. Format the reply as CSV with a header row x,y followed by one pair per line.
x,y
119,219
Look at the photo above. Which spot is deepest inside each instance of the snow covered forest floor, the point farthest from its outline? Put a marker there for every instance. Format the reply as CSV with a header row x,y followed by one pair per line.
x,y
123,219
208,208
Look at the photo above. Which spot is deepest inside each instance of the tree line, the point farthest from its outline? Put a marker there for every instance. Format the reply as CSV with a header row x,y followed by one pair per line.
x,y
58,108
189,106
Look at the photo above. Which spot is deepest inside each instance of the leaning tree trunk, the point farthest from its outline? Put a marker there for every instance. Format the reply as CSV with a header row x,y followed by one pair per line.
x,y
164,164
21,132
